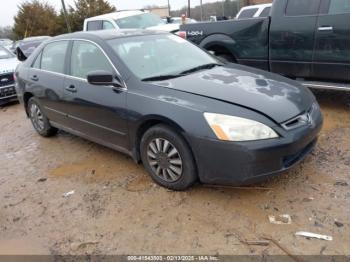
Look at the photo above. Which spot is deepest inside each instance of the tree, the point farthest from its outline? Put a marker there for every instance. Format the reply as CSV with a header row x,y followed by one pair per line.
x,y
35,18
87,8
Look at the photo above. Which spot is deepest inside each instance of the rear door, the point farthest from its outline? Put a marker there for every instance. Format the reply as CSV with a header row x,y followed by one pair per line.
x,y
46,78
98,112
332,48
292,37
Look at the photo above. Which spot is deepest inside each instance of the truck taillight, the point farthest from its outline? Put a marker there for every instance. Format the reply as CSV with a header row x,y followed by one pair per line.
x,y
182,34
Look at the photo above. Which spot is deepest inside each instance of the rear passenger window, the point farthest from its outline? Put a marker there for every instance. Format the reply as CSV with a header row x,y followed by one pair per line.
x,y
248,13
94,25
53,57
265,12
86,58
302,7
37,61
339,6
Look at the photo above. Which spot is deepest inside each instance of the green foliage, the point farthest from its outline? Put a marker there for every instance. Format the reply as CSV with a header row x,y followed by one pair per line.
x,y
36,18
87,8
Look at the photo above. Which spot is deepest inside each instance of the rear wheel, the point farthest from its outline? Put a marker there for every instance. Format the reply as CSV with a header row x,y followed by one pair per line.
x,y
226,58
39,121
167,158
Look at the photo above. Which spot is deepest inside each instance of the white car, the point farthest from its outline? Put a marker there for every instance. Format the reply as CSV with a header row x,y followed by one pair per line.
x,y
6,42
129,20
8,64
253,11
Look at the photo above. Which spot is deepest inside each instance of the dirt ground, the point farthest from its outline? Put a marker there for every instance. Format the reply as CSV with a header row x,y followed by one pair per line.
x,y
117,209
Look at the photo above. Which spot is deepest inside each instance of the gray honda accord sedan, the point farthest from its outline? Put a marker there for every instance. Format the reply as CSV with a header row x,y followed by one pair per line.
x,y
170,105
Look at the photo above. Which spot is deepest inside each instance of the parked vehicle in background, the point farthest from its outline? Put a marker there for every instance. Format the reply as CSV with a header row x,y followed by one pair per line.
x,y
183,113
214,18
178,20
27,46
8,64
307,40
136,19
14,46
6,43
254,11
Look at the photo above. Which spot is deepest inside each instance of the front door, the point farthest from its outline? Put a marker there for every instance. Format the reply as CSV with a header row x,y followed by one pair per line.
x,y
332,48
292,37
96,111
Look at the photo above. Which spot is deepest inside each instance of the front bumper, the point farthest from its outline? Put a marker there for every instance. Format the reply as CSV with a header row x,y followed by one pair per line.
x,y
7,94
233,163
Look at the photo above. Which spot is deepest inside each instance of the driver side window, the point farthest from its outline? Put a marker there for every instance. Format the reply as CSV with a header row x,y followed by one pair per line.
x,y
86,58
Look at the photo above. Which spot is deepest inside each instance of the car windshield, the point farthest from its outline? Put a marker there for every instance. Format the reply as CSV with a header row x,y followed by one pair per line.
x,y
139,21
159,55
5,54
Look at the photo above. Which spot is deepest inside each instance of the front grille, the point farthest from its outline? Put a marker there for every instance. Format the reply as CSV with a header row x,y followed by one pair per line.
x,y
7,92
6,80
302,119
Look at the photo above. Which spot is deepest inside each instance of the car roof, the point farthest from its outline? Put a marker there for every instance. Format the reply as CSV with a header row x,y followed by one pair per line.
x,y
116,15
108,34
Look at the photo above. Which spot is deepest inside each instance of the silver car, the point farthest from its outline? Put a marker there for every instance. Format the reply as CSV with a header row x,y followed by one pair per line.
x,y
8,64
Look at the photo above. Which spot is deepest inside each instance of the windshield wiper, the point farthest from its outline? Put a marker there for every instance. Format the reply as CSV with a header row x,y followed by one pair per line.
x,y
161,77
201,67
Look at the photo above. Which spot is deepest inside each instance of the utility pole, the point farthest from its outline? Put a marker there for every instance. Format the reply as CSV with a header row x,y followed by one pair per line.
x,y
189,9
66,16
223,8
169,7
201,10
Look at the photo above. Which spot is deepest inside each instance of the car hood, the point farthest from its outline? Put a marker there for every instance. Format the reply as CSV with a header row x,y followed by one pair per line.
x,y
272,95
8,65
166,27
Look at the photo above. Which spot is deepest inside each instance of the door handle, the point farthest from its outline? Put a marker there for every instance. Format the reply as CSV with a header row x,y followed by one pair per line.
x,y
325,28
71,88
35,78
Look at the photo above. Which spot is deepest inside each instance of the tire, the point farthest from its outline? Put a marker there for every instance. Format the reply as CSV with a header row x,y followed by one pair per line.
x,y
167,158
39,121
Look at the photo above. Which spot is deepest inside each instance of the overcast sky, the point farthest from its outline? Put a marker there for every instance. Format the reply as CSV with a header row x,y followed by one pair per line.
x,y
9,10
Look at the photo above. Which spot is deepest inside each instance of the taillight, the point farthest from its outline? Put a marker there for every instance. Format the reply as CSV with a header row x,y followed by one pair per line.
x,y
182,34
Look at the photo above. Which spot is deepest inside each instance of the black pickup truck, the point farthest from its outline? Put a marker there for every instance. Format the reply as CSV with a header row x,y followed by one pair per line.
x,y
307,40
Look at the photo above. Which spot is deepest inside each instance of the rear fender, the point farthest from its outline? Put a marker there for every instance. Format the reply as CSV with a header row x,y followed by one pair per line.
x,y
219,40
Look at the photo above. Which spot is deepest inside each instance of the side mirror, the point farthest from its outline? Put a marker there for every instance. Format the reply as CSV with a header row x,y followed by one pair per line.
x,y
20,56
103,78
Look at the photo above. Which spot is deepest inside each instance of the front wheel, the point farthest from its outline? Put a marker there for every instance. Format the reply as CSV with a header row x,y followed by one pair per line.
x,y
39,121
167,158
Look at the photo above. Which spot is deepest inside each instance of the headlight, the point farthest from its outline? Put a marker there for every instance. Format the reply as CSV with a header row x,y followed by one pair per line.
x,y
232,128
